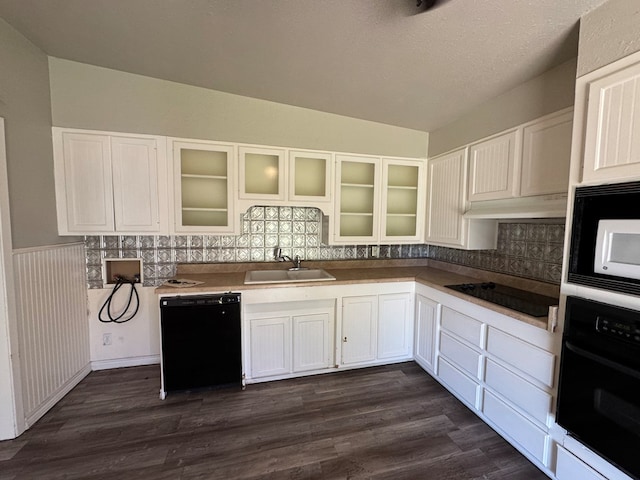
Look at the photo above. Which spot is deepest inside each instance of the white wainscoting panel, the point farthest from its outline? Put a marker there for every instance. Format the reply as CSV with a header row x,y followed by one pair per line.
x,y
51,297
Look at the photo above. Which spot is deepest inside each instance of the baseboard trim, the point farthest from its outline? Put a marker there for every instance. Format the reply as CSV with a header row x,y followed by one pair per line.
x,y
125,362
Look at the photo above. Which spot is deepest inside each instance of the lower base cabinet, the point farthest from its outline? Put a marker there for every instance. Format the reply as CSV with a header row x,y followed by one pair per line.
x,y
377,328
289,337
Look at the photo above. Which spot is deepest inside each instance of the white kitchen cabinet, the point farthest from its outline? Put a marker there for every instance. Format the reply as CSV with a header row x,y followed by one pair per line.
x,y
612,136
273,176
312,341
270,346
378,200
484,359
517,427
395,326
110,183
288,338
262,173
403,201
426,317
310,177
357,199
494,169
530,360
377,328
546,154
458,383
204,175
359,329
446,204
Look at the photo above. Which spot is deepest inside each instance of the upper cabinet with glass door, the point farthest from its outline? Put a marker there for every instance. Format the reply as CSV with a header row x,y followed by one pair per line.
x,y
269,176
262,174
310,177
204,199
403,200
379,200
358,194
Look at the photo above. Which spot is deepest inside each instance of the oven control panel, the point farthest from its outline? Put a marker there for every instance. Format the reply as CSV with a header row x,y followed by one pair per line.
x,y
627,329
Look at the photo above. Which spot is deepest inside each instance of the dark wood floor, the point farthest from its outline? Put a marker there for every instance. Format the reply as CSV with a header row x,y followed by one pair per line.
x,y
392,422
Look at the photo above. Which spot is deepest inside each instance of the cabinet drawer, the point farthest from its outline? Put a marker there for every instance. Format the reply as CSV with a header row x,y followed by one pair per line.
x,y
521,430
527,358
461,355
459,384
517,390
462,325
569,467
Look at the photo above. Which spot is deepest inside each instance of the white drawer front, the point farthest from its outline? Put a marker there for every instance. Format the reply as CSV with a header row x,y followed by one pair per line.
x,y
521,430
462,325
517,390
569,467
458,382
459,354
531,360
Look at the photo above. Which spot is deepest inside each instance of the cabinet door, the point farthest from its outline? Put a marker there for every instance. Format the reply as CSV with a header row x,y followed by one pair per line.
x,y
546,154
359,335
136,174
203,180
312,344
310,177
357,208
493,170
270,343
395,326
446,202
612,136
402,212
425,332
262,174
84,183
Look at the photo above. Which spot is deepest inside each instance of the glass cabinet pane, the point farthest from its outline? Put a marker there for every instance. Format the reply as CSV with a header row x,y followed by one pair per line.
x,y
310,177
262,172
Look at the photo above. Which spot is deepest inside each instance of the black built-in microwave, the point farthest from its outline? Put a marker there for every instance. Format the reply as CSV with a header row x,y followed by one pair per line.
x,y
605,237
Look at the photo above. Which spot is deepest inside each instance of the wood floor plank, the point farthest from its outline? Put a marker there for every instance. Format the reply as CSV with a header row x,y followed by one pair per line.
x,y
393,422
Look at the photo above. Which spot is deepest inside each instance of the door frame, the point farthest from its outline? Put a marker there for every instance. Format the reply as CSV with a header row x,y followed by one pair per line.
x,y
11,415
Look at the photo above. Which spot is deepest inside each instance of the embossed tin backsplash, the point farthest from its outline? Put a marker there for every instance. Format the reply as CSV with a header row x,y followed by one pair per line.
x,y
529,250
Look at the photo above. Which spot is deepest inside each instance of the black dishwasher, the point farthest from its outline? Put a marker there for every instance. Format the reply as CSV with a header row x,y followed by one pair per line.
x,y
201,341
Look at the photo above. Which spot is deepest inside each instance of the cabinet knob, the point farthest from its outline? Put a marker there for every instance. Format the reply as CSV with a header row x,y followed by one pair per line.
x,y
344,339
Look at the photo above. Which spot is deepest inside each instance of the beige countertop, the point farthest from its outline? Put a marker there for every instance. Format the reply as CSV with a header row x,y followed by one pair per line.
x,y
230,277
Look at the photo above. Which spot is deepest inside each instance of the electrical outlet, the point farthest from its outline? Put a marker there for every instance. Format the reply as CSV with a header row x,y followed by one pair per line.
x,y
106,339
375,251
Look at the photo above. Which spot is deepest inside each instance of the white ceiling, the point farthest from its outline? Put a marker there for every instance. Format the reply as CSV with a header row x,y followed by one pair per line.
x,y
379,60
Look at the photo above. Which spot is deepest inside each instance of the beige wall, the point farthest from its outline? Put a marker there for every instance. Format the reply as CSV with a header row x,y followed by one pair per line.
x,y
85,96
547,93
608,33
25,104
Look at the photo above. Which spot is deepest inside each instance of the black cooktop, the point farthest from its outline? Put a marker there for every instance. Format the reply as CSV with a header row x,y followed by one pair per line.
x,y
522,301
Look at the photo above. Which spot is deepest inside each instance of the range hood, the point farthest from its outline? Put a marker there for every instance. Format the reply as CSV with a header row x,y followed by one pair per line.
x,y
543,206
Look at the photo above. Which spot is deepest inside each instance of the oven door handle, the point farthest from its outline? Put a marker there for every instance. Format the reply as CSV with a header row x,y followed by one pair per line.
x,y
603,361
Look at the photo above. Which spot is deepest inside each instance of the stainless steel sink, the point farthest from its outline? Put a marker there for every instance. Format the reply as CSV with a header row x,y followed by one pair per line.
x,y
287,276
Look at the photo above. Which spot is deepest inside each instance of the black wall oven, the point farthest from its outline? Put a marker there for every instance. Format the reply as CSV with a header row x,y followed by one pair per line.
x,y
599,389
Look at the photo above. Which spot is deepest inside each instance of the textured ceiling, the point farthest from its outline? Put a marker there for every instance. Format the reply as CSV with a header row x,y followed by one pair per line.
x,y
379,60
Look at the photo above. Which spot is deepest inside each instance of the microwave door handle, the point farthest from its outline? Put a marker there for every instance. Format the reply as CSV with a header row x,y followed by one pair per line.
x,y
603,361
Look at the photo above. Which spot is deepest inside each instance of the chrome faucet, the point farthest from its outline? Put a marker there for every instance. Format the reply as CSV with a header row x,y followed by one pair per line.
x,y
296,261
